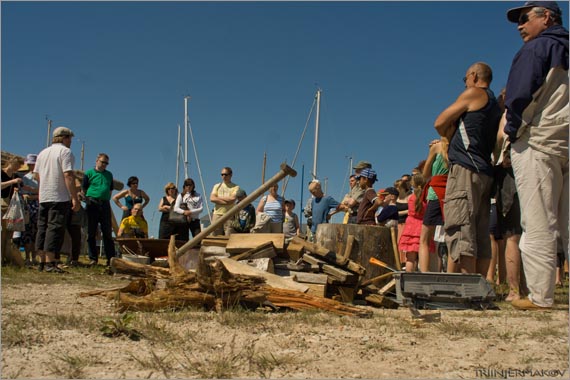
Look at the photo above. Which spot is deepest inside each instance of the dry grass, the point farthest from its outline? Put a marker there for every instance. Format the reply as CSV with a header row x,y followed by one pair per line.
x,y
239,342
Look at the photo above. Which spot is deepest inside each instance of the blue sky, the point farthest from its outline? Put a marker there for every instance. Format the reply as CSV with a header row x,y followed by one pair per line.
x,y
116,73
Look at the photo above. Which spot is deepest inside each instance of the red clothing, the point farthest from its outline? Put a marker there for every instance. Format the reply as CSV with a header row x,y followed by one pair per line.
x,y
438,184
410,239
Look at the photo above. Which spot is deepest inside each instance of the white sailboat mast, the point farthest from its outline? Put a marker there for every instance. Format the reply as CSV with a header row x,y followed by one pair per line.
x,y
316,149
186,98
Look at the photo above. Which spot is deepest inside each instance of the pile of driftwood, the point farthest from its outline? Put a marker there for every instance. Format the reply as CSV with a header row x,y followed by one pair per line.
x,y
219,281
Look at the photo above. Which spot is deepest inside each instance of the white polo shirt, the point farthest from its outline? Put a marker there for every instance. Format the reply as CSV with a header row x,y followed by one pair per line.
x,y
51,163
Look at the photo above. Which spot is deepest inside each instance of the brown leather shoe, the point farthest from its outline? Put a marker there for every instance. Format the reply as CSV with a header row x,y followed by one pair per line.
x,y
526,304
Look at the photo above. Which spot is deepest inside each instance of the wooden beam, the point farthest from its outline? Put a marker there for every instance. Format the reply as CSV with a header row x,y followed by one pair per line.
x,y
336,273
240,243
265,250
236,267
312,278
387,287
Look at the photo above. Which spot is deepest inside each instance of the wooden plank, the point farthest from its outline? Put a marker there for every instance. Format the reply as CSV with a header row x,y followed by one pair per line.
x,y
312,278
317,290
313,260
336,274
213,250
265,250
237,267
387,287
213,243
339,274
239,243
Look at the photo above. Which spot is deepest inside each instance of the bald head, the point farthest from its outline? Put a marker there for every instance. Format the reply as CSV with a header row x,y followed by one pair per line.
x,y
483,71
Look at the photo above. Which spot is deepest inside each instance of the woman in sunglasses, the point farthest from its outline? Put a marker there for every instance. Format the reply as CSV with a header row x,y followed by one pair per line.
x,y
132,195
190,203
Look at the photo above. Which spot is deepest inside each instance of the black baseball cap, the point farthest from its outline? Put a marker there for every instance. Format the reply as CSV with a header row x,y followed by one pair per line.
x,y
514,14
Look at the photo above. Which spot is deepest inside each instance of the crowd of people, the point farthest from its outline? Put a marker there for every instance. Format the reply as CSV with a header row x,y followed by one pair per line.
x,y
491,197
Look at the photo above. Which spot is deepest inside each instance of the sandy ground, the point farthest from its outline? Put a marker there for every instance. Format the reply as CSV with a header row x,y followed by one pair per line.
x,y
49,331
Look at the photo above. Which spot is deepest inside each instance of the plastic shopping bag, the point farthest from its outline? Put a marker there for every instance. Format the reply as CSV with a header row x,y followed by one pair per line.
x,y
15,216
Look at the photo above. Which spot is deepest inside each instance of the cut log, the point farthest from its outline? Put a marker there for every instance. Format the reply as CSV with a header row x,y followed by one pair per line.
x,y
265,250
175,268
330,256
236,267
369,241
239,243
140,270
300,301
190,260
295,250
165,299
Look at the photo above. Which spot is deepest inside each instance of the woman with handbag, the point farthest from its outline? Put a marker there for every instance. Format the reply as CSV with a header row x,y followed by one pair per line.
x,y
166,206
10,183
190,204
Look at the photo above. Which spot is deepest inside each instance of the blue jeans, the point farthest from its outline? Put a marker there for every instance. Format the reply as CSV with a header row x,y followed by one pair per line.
x,y
99,213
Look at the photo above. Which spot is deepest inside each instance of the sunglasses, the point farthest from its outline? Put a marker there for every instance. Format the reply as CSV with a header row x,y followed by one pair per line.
x,y
225,174
465,78
104,162
524,19
171,188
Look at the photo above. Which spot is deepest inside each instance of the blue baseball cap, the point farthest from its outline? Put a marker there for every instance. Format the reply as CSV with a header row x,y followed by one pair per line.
x,y
368,173
514,14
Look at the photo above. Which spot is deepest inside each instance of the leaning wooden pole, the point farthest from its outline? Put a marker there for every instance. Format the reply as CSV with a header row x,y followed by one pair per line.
x,y
285,171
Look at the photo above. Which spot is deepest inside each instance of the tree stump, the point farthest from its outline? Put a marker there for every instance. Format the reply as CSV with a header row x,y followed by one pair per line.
x,y
369,241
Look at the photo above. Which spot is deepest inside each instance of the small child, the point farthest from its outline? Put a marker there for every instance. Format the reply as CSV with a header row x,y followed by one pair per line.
x,y
244,220
389,215
410,239
291,225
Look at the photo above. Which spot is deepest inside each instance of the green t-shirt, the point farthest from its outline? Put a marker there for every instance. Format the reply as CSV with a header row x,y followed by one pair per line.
x,y
98,185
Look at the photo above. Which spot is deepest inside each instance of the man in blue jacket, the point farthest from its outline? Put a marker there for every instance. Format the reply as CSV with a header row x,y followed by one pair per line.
x,y
537,126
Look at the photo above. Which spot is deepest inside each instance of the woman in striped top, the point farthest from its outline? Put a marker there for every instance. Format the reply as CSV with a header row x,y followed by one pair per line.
x,y
274,206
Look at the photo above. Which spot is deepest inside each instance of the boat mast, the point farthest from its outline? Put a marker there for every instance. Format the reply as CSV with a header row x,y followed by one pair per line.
x,y
48,132
263,168
316,150
186,98
178,157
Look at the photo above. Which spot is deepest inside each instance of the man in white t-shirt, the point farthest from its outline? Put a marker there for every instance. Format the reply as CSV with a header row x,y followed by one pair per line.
x,y
57,196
